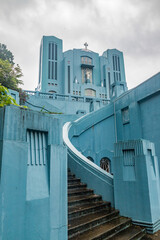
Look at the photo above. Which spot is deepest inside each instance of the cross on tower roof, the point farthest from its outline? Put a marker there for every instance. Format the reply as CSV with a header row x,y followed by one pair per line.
x,y
86,45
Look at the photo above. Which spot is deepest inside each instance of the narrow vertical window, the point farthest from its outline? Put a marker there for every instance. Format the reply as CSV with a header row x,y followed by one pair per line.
x,y
109,79
125,115
52,51
52,70
119,77
118,64
56,52
104,82
49,69
114,77
52,61
49,51
55,70
113,63
68,79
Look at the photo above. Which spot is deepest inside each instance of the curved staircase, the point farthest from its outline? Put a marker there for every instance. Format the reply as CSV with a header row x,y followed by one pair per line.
x,y
89,217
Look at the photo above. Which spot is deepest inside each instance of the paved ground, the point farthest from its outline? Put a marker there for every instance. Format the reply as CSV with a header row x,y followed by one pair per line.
x,y
155,236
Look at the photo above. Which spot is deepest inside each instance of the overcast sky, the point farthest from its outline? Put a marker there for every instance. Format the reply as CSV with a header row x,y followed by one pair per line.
x,y
131,26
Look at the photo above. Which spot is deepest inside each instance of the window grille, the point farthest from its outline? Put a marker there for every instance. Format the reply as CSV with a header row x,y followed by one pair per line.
x,y
37,147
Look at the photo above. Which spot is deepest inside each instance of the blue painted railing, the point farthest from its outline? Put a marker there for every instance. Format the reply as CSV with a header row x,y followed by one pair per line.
x,y
66,97
95,177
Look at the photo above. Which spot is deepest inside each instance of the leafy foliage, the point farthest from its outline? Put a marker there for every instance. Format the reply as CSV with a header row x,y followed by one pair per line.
x,y
6,99
10,73
5,54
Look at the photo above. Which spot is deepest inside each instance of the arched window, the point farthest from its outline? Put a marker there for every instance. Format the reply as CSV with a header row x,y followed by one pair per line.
x,y
90,92
105,164
86,60
52,91
90,158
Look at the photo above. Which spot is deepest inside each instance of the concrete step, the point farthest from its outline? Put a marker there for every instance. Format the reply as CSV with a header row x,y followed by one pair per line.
x,y
74,180
131,233
105,230
90,218
77,200
70,173
76,185
85,223
81,210
71,176
76,192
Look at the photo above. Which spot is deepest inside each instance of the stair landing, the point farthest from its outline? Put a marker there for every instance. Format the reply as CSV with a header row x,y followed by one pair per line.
x,y
91,218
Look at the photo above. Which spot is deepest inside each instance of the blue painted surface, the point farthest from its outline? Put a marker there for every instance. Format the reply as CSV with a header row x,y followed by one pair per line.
x,y
80,77
104,76
61,103
95,177
13,190
33,176
132,116
94,135
43,67
144,113
137,182
14,94
98,131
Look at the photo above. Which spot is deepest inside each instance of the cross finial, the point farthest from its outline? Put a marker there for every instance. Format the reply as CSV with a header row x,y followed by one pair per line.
x,y
86,45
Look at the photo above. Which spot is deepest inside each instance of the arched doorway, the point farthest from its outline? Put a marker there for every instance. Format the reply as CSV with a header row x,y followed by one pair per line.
x,y
105,164
90,158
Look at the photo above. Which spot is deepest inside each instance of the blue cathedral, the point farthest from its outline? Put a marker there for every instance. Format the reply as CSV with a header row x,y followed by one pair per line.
x,y
82,161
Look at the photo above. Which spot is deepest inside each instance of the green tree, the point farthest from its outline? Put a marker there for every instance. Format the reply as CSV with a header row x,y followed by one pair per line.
x,y
5,54
10,75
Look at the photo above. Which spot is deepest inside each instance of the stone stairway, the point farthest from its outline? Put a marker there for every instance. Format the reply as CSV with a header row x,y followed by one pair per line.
x,y
89,217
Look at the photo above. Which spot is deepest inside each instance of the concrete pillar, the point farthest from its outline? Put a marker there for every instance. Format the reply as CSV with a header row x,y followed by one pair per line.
x,y
136,183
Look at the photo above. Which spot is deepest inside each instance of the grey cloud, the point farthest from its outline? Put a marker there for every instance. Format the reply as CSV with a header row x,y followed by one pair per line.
x,y
130,26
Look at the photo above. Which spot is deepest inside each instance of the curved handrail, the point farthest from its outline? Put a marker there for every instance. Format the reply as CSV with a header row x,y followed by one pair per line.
x,y
95,177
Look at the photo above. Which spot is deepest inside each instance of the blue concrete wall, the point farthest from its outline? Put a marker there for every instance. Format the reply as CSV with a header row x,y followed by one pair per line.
x,y
98,133
14,94
143,113
63,103
95,177
33,189
94,134
132,116
137,183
